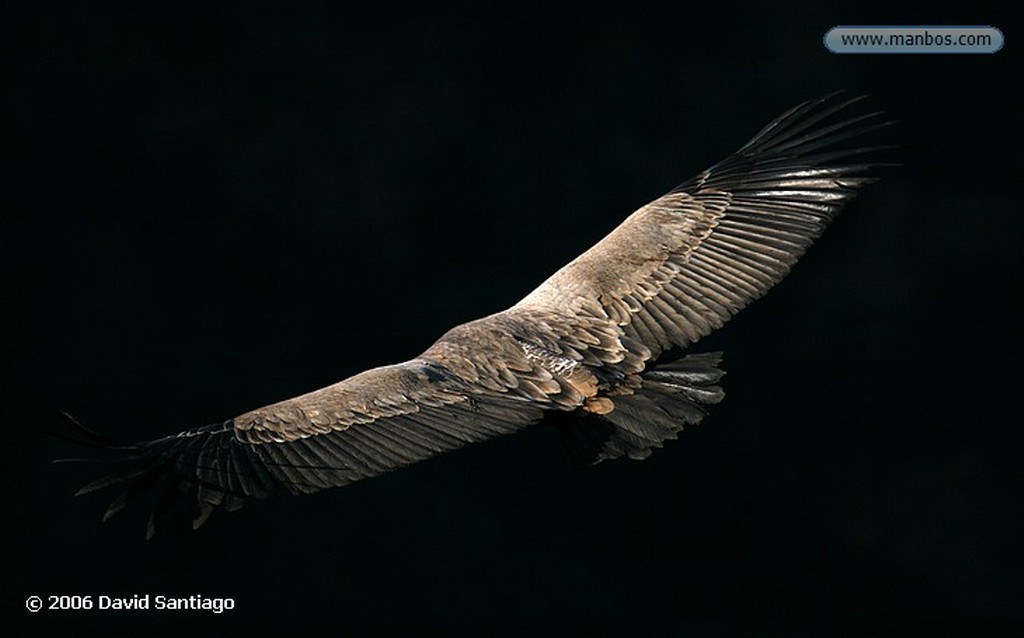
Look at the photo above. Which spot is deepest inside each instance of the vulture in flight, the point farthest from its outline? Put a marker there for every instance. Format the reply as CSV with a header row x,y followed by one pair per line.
x,y
588,342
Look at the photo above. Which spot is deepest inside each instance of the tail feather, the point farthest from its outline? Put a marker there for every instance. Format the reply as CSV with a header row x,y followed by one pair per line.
x,y
671,396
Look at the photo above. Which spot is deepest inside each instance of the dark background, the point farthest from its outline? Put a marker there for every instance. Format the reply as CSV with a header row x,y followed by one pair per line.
x,y
206,208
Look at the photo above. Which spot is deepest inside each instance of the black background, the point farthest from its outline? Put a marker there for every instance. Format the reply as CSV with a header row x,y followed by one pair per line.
x,y
206,208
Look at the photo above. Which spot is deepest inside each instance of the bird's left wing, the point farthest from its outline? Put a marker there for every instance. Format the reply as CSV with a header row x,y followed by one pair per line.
x,y
680,266
366,425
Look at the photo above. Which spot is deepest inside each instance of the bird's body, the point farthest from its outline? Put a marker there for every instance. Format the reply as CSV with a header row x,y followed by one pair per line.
x,y
588,342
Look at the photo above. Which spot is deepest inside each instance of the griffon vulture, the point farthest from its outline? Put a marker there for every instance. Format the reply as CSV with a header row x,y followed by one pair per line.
x,y
588,341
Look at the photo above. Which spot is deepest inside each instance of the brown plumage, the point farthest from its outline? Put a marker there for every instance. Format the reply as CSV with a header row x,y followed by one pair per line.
x,y
586,342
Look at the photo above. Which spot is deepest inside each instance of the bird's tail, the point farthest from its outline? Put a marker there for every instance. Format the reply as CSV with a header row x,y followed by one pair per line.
x,y
671,396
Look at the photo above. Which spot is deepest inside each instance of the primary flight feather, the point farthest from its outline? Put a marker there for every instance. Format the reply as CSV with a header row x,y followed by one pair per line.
x,y
586,342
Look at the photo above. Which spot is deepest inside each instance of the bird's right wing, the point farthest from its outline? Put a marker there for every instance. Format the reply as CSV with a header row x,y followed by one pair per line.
x,y
680,266
366,425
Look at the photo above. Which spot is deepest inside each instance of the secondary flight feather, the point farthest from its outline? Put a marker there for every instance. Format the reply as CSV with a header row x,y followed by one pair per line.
x,y
588,342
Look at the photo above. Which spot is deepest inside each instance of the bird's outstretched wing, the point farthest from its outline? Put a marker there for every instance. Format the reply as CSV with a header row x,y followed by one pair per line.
x,y
680,266
366,425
